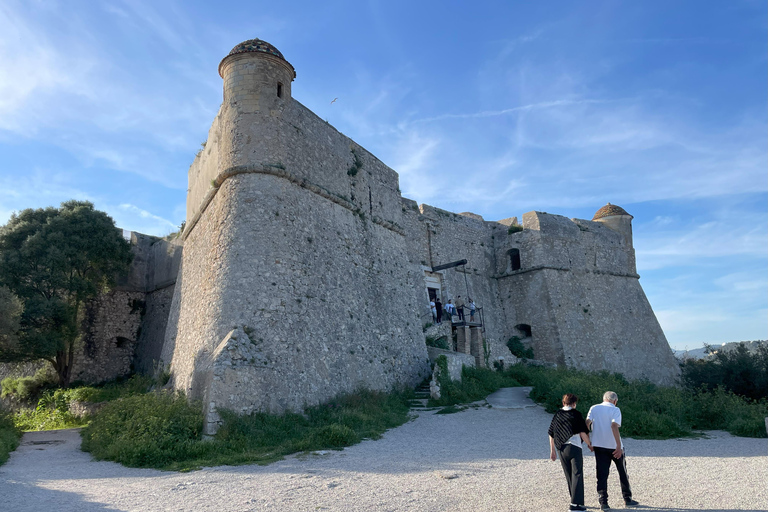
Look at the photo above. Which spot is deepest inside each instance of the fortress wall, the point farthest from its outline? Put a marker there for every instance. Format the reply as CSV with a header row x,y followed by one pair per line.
x,y
111,327
605,322
322,294
293,142
193,327
578,291
527,300
206,167
151,336
444,237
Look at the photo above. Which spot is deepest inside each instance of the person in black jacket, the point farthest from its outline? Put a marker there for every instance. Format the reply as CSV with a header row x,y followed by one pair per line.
x,y
566,432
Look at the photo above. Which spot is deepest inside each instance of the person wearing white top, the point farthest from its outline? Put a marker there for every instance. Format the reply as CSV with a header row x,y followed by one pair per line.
x,y
604,420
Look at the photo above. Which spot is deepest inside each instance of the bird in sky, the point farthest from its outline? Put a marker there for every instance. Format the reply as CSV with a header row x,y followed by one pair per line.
x,y
334,101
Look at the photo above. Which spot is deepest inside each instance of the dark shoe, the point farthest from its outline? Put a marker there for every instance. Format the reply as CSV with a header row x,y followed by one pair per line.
x,y
604,506
580,508
631,503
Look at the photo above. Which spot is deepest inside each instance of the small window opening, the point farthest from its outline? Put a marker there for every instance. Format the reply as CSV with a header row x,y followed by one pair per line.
x,y
121,342
279,90
525,329
514,258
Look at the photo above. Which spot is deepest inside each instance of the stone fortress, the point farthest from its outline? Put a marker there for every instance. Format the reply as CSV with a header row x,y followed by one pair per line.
x,y
304,273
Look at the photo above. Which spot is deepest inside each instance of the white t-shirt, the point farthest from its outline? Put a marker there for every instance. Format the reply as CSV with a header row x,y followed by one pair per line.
x,y
603,416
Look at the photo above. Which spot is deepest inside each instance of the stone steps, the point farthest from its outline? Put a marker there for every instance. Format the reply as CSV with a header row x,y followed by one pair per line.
x,y
421,398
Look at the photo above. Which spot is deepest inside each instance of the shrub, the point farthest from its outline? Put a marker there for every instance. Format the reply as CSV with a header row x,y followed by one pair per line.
x,y
518,349
437,342
737,370
475,384
648,411
26,389
9,435
164,432
151,430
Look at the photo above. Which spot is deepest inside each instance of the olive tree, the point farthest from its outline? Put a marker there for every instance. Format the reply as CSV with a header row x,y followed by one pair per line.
x,y
53,260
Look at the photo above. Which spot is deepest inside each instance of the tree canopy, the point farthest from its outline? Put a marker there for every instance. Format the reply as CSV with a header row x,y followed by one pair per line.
x,y
53,260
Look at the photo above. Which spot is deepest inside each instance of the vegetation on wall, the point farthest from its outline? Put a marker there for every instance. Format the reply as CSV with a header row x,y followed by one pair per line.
x,y
437,342
53,260
517,348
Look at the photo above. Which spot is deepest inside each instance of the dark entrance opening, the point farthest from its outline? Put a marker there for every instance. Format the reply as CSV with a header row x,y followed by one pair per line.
x,y
514,258
525,329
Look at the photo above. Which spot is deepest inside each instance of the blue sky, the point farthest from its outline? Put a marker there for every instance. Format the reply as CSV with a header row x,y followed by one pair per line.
x,y
497,108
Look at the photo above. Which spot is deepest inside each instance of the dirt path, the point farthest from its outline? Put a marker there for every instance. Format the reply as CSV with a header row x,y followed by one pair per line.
x,y
486,459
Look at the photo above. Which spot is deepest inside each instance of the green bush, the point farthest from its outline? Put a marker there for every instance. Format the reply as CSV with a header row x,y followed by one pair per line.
x,y
9,435
164,431
112,390
151,430
46,419
52,410
518,349
475,384
26,389
648,411
737,370
437,342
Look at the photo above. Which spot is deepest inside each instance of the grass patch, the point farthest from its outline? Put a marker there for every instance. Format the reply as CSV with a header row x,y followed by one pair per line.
x,y
52,409
164,431
475,384
46,419
9,435
648,411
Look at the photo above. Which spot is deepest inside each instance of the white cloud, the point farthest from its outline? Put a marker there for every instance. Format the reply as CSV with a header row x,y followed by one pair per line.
x,y
708,241
133,218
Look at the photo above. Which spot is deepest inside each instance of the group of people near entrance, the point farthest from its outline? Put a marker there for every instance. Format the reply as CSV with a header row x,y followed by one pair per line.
x,y
451,309
569,429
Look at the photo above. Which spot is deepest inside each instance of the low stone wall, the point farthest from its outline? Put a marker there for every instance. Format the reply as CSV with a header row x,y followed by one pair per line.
x,y
80,409
456,360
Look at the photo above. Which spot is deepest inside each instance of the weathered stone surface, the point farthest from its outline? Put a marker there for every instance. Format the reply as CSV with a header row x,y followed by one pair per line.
x,y
304,269
456,361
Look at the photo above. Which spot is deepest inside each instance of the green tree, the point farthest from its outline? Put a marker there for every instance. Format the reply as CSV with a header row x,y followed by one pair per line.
x,y
738,370
53,260
10,315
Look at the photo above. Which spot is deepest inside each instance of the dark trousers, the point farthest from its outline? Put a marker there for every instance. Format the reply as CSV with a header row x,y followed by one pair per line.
x,y
603,458
573,464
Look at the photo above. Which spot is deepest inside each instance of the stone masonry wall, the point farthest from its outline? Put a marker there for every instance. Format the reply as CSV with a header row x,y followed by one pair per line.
x,y
321,291
579,292
111,330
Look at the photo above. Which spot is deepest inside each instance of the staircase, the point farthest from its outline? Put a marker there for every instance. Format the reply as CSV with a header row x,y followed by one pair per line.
x,y
419,402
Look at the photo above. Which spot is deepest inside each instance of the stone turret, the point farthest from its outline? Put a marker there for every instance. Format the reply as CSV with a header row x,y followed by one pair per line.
x,y
257,78
616,218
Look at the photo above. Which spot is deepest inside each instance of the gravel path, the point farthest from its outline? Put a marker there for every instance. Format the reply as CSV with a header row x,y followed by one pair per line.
x,y
484,459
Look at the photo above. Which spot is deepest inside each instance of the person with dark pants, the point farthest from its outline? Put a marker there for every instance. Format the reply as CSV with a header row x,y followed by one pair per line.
x,y
439,309
566,432
605,419
460,308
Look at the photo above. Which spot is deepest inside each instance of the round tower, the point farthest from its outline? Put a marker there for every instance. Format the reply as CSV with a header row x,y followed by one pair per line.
x,y
616,218
257,78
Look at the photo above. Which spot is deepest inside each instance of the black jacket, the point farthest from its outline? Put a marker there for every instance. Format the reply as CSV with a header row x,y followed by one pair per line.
x,y
566,424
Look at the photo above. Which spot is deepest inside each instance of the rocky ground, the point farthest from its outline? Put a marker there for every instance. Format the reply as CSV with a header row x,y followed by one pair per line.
x,y
483,459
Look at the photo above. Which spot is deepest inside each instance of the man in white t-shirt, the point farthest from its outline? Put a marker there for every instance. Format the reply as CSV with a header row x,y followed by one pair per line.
x,y
604,421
